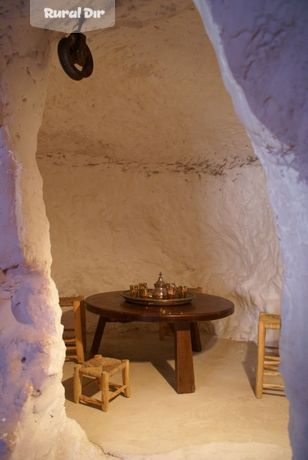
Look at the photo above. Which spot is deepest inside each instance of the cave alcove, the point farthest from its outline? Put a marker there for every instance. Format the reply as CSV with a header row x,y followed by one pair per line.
x,y
146,168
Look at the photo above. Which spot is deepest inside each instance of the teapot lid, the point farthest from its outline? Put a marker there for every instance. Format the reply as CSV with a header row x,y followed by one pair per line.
x,y
160,282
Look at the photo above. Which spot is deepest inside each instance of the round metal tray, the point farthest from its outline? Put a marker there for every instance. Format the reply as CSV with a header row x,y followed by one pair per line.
x,y
151,301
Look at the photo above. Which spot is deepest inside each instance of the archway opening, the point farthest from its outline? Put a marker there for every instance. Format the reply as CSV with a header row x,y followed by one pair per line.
x,y
26,289
157,174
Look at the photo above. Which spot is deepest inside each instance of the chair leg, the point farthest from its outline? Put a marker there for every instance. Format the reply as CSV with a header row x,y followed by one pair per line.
x,y
260,365
83,325
125,376
77,383
105,390
78,331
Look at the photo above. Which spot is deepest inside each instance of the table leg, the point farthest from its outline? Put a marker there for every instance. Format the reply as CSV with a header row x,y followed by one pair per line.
x,y
98,336
184,367
195,336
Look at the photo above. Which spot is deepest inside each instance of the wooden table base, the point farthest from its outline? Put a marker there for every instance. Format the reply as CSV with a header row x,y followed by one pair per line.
x,y
98,336
187,340
195,336
184,367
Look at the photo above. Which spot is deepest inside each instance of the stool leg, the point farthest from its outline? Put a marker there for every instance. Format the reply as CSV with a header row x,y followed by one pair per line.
x,y
105,390
125,377
260,365
77,383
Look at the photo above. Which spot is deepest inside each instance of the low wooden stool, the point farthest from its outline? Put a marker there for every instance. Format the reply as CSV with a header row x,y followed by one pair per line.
x,y
268,364
101,369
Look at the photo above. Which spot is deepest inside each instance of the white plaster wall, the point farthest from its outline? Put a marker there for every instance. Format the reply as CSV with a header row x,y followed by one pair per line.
x,y
263,59
146,168
33,424
32,398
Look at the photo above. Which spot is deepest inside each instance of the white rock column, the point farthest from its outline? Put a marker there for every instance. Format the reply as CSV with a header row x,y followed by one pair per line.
x,y
263,54
33,423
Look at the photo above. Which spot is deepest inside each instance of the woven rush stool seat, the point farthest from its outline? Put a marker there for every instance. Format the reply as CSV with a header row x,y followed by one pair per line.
x,y
101,369
268,364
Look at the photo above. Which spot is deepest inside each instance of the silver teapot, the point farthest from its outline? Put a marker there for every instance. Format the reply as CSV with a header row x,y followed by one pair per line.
x,y
160,290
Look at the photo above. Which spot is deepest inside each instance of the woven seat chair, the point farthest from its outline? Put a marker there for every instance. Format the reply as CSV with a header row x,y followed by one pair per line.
x,y
268,363
74,337
101,369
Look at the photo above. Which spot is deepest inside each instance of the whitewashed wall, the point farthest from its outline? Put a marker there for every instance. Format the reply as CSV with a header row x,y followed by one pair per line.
x,y
33,423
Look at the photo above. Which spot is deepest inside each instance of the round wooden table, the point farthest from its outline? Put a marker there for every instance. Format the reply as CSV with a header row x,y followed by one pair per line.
x,y
111,307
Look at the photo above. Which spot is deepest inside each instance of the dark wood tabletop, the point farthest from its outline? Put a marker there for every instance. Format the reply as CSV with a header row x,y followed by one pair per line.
x,y
113,307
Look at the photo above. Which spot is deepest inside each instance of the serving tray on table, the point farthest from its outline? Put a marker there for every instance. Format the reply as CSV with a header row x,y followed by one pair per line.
x,y
152,301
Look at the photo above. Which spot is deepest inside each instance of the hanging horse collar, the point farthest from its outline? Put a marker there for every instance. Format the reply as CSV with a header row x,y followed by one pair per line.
x,y
73,51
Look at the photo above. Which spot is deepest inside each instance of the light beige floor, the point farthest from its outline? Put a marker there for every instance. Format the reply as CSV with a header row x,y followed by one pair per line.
x,y
156,419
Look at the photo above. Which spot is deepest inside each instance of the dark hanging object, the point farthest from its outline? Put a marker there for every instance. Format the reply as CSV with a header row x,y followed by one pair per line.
x,y
75,56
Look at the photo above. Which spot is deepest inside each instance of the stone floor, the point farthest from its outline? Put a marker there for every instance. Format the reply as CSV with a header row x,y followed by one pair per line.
x,y
222,419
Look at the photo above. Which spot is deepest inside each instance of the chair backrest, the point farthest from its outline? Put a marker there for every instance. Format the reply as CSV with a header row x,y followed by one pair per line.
x,y
195,289
76,340
69,301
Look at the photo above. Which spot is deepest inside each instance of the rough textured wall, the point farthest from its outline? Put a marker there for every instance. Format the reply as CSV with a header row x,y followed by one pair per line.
x,y
146,168
33,424
263,54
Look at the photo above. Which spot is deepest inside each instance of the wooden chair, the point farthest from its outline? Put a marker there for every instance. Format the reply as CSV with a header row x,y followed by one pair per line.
x,y
75,337
268,364
101,369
